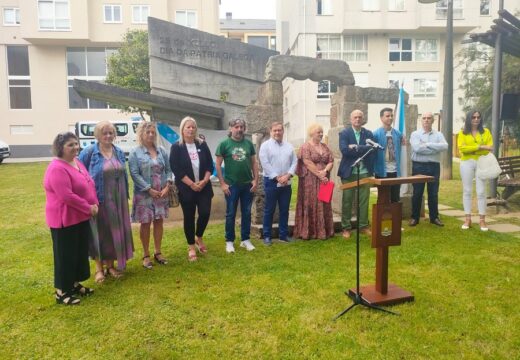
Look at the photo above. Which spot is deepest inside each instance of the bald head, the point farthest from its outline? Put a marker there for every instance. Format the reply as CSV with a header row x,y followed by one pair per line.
x,y
356,119
427,121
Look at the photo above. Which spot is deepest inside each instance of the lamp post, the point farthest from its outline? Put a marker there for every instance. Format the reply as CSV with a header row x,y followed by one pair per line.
x,y
447,92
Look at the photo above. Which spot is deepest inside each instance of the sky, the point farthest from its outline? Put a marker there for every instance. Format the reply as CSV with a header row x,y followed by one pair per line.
x,y
248,9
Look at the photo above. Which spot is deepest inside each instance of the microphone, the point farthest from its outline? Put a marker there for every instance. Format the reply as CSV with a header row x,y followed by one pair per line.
x,y
374,144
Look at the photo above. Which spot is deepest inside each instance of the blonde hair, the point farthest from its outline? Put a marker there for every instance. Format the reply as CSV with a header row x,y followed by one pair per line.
x,y
312,128
141,130
102,125
181,129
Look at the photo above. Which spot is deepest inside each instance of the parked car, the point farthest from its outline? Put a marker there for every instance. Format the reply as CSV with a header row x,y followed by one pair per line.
x,y
5,152
126,137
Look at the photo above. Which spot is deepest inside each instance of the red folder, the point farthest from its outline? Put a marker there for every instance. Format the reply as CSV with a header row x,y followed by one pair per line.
x,y
325,193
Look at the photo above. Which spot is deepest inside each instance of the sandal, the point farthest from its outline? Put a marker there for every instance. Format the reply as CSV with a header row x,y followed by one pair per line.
x,y
114,273
66,299
99,277
192,255
161,260
200,245
82,290
147,264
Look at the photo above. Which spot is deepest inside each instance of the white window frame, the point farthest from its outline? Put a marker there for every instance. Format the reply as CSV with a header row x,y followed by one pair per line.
x,y
392,5
324,7
489,7
140,8
18,77
186,12
424,95
325,95
54,19
112,7
414,51
16,11
371,5
441,9
341,53
85,77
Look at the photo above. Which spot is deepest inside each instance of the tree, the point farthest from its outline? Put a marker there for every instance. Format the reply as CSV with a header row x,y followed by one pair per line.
x,y
477,65
129,66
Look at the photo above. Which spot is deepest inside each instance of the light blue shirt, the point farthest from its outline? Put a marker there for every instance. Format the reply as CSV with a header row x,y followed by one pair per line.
x,y
427,146
277,158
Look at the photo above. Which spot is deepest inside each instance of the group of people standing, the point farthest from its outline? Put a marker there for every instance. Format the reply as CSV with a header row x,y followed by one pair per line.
x,y
87,193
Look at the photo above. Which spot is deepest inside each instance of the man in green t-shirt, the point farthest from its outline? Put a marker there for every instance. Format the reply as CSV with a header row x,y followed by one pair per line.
x,y
239,182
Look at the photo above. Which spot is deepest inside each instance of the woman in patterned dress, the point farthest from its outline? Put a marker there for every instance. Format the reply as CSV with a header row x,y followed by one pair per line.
x,y
106,165
313,218
150,170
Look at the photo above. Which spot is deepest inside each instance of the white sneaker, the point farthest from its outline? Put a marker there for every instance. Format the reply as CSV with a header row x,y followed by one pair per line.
x,y
247,244
230,248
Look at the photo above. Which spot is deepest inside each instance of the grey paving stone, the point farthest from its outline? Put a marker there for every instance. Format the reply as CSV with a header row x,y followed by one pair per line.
x,y
504,228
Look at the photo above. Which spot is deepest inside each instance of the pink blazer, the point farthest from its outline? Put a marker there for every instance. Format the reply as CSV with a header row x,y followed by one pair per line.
x,y
69,192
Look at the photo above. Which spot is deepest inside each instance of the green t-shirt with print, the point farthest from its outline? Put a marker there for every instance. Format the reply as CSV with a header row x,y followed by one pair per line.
x,y
237,160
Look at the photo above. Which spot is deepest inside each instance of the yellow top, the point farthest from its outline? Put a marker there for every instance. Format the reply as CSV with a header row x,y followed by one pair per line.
x,y
468,144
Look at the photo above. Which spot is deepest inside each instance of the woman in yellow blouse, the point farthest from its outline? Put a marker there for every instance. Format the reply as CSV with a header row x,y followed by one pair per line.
x,y
473,141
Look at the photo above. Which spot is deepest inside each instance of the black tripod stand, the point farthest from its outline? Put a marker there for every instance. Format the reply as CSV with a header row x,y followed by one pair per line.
x,y
357,298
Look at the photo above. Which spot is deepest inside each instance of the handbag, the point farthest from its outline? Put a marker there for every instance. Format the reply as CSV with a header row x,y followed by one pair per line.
x,y
173,196
325,192
488,167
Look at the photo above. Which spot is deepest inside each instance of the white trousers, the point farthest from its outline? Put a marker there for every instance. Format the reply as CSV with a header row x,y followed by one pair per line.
x,y
467,173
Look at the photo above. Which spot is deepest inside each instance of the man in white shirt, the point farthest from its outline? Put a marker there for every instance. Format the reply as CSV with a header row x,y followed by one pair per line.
x,y
278,161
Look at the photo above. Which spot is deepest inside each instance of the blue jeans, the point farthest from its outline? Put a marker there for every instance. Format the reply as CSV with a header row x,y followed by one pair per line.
x,y
430,169
243,193
273,195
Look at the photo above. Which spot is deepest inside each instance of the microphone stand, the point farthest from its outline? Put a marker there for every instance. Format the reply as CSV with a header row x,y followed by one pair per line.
x,y
357,298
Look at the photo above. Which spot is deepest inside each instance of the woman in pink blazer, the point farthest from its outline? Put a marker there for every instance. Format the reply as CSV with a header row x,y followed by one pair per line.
x,y
71,202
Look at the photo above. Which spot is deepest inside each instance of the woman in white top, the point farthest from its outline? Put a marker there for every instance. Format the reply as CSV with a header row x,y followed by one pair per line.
x,y
192,165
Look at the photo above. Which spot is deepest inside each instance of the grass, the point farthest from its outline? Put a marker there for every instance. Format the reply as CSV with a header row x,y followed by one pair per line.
x,y
273,303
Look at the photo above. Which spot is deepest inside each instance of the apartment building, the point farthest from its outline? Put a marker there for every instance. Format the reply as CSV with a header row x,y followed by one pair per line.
x,y
385,42
258,32
45,44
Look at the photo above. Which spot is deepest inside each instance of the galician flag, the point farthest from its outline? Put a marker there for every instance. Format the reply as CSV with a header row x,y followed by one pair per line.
x,y
400,121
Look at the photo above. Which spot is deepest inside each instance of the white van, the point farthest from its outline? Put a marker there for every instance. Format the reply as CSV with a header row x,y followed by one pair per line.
x,y
126,138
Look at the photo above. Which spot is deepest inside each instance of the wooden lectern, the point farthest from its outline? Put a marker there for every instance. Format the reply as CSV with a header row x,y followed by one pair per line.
x,y
386,231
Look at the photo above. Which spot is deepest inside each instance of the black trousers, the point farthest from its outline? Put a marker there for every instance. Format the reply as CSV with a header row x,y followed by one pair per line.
x,y
191,202
70,248
395,190
430,169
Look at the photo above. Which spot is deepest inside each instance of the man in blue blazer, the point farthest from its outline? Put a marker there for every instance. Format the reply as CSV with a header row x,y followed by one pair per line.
x,y
352,144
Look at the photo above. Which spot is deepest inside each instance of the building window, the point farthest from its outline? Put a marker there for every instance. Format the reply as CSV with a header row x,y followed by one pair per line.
x,y
140,14
326,89
272,43
370,5
442,9
53,15
11,16
400,49
21,129
186,18
86,64
112,14
418,85
426,50
18,77
406,49
262,41
342,47
324,7
396,5
424,88
485,7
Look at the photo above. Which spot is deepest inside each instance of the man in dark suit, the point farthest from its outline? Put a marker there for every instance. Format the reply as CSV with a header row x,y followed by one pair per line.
x,y
352,144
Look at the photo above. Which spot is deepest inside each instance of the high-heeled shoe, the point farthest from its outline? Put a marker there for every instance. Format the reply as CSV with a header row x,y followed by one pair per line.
x,y
466,226
200,246
483,228
192,255
147,263
160,260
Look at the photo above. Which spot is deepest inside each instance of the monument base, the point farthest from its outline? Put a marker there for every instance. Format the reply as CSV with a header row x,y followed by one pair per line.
x,y
395,295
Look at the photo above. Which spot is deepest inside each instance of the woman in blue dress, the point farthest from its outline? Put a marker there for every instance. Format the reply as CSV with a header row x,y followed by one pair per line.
x,y
150,170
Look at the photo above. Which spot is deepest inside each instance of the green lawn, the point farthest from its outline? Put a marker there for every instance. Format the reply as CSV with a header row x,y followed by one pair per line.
x,y
273,303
